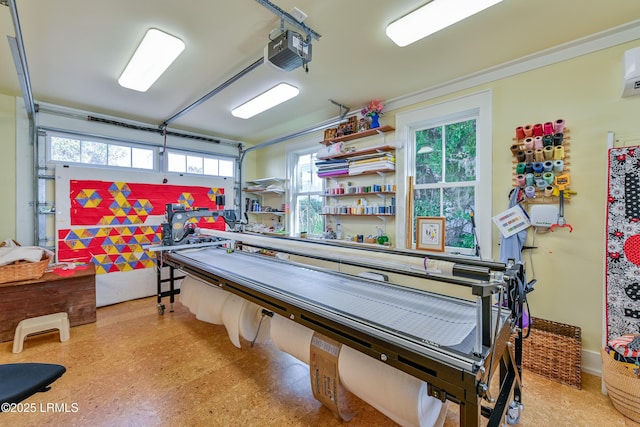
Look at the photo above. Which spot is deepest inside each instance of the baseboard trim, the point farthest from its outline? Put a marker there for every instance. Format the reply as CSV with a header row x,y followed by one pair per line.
x,y
591,363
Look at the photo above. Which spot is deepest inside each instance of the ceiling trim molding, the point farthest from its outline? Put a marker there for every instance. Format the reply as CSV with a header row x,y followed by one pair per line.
x,y
583,46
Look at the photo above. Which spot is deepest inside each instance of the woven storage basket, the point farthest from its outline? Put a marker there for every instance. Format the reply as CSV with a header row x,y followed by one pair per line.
x,y
622,386
553,350
23,270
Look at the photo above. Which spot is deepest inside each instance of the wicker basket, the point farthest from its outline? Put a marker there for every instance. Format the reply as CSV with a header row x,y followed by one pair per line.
x,y
553,350
23,270
622,386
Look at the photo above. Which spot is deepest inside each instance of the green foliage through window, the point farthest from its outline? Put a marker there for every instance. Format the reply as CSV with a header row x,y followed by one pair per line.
x,y
445,177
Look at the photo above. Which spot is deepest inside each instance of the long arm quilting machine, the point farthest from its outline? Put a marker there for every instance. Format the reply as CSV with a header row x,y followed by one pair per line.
x,y
455,345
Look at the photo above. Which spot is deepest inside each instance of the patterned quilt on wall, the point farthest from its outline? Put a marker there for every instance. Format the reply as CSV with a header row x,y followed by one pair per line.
x,y
110,221
623,243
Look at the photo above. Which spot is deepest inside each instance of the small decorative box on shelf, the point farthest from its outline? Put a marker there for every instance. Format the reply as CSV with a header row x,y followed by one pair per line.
x,y
357,135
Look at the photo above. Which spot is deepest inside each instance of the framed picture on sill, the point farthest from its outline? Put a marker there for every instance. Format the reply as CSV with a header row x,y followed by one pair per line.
x,y
430,233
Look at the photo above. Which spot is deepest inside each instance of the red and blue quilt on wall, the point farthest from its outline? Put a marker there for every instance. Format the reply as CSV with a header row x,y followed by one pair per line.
x,y
109,226
623,243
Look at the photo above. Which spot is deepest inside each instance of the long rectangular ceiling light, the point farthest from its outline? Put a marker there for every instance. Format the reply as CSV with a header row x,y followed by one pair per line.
x,y
433,17
156,52
269,99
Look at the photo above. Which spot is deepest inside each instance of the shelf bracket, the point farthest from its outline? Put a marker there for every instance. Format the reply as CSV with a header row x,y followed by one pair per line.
x,y
346,109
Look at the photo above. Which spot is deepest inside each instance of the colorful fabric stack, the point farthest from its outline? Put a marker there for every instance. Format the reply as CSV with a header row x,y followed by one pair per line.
x,y
333,167
372,162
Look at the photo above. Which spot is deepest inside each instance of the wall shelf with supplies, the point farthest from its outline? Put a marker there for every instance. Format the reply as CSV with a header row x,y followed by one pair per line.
x,y
266,196
357,135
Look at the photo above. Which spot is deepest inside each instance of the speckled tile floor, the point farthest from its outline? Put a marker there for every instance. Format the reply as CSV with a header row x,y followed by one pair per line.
x,y
134,367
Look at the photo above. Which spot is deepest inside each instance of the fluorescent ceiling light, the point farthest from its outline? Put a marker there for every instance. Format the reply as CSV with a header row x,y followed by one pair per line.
x,y
274,96
433,17
156,52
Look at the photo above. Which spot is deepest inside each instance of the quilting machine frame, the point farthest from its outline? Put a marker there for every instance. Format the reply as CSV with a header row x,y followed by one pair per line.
x,y
464,381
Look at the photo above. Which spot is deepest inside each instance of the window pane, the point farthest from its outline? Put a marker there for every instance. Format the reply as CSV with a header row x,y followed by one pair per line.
x,y
94,153
65,149
304,175
429,156
458,204
316,181
119,156
194,164
427,202
226,168
460,146
210,166
308,210
177,162
142,158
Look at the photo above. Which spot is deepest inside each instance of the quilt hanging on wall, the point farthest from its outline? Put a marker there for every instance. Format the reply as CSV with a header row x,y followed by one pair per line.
x,y
112,221
623,243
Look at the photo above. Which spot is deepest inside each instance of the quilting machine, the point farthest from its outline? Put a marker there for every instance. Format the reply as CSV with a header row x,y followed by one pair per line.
x,y
455,345
179,232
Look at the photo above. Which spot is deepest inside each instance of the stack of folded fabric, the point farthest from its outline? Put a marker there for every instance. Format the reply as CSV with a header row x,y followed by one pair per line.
x,y
330,151
371,162
333,167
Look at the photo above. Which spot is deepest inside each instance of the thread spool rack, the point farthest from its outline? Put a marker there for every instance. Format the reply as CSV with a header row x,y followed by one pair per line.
x,y
540,197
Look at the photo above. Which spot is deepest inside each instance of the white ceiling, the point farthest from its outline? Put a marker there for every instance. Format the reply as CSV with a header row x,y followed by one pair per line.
x,y
76,50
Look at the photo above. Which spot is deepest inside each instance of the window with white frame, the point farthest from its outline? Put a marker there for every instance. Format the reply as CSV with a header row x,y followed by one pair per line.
x,y
199,164
306,190
96,152
449,158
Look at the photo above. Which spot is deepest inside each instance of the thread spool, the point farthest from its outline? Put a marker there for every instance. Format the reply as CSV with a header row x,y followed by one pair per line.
x,y
520,168
537,142
557,138
548,177
548,128
514,149
538,155
537,129
529,179
520,156
519,132
537,167
541,184
528,130
558,166
530,192
528,156
547,140
521,180
548,152
558,126
528,143
528,168
548,191
558,152
547,166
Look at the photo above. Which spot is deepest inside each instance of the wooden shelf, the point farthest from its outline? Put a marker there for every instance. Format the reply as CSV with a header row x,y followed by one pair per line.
x,y
361,152
357,135
371,193
277,213
378,214
378,171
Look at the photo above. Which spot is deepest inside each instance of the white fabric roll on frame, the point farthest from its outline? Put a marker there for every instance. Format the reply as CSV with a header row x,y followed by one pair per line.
x,y
214,305
396,394
203,300
291,338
